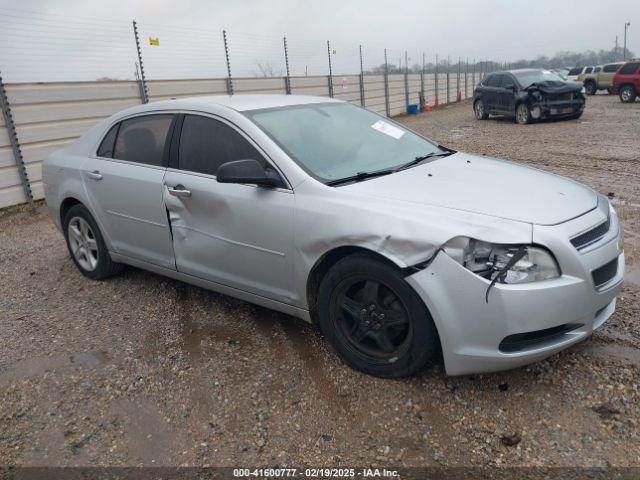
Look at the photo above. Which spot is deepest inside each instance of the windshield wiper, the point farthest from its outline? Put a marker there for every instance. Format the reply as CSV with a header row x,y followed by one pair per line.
x,y
360,176
378,173
422,158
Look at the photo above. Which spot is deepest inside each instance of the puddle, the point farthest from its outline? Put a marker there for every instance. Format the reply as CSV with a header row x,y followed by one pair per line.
x,y
39,365
194,333
632,276
626,355
149,439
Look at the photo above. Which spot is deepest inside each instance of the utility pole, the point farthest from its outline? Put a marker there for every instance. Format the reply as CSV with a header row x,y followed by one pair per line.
x,y
624,49
615,50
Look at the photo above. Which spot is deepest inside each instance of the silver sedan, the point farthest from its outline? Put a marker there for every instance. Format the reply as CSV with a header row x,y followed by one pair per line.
x,y
398,247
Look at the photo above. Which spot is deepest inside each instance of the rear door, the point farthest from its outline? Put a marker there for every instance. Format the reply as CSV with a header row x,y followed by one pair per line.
x,y
501,93
124,185
506,93
605,77
237,235
491,92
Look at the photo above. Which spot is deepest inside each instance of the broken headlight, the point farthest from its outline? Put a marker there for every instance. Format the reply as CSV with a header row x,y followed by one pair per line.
x,y
507,263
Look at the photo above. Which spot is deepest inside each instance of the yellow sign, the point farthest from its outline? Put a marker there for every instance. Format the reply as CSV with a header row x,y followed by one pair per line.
x,y
333,52
154,41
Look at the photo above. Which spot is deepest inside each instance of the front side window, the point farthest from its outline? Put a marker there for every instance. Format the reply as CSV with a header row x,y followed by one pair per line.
x,y
142,139
333,141
597,69
629,68
588,70
205,144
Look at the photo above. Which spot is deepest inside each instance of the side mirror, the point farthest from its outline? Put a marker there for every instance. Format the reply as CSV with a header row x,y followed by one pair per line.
x,y
247,171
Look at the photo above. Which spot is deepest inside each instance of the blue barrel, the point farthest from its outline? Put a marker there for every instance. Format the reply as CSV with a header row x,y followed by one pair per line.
x,y
412,109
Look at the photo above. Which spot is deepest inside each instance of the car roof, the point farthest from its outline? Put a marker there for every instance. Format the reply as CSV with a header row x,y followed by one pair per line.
x,y
239,103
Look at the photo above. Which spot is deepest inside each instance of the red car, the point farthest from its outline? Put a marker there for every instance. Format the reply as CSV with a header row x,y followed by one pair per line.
x,y
626,81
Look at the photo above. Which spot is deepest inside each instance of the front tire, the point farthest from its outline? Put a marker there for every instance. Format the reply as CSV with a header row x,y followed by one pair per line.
x,y
590,88
86,244
523,114
480,110
627,94
374,319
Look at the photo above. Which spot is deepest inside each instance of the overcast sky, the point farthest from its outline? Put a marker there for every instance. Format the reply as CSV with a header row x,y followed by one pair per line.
x,y
88,35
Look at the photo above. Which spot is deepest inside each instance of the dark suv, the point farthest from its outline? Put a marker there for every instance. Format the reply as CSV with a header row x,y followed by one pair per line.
x,y
527,95
626,81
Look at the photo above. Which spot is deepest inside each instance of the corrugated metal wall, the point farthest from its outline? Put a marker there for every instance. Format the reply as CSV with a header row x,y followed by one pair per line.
x,y
49,116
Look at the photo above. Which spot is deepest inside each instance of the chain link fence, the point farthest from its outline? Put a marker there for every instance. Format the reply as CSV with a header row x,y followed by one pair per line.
x,y
61,74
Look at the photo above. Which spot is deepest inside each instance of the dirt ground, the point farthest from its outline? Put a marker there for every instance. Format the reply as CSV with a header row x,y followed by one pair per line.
x,y
142,370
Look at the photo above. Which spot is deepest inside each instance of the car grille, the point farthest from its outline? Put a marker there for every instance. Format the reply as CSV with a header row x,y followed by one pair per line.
x,y
590,237
605,273
561,97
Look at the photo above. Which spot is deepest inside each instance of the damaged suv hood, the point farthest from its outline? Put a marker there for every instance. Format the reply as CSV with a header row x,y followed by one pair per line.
x,y
487,186
554,87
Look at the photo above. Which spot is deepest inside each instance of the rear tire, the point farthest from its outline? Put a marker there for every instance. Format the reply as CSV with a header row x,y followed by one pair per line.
x,y
523,114
374,319
627,94
590,88
86,244
480,110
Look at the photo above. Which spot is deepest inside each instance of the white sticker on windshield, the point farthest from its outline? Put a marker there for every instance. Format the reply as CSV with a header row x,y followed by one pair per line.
x,y
388,129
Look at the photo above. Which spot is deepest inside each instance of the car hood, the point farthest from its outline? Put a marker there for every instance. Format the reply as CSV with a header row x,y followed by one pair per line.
x,y
555,87
487,186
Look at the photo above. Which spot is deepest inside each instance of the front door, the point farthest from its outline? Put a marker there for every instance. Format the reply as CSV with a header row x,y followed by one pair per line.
x,y
237,235
124,185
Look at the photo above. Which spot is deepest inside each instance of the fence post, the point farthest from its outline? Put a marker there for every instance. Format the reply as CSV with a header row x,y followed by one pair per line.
x,y
458,91
226,55
406,81
473,75
15,145
466,81
436,101
330,77
362,102
144,93
287,79
386,85
448,81
422,98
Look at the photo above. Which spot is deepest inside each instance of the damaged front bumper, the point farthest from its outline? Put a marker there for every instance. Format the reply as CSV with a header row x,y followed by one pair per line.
x,y
522,323
556,108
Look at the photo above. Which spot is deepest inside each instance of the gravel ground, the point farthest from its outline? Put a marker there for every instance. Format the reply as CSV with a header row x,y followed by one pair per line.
x,y
142,370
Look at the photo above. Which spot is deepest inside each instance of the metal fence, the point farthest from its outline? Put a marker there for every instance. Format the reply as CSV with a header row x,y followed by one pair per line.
x,y
56,88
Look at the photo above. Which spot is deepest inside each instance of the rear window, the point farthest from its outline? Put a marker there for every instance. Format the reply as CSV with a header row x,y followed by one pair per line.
x,y
629,68
106,146
142,139
597,69
575,71
611,68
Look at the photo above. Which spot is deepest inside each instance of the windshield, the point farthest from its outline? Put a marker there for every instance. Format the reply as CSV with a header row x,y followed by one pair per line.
x,y
536,76
332,141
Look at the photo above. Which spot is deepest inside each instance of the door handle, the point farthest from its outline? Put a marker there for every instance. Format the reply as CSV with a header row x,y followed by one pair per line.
x,y
179,191
95,175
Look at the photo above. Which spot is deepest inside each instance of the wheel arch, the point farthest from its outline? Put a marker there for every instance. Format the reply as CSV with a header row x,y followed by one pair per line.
x,y
66,205
628,84
324,264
